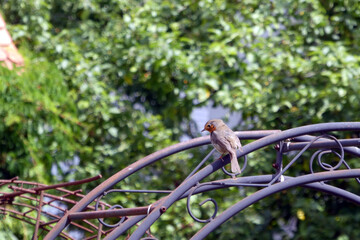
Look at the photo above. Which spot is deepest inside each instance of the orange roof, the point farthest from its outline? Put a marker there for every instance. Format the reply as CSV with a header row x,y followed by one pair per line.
x,y
9,54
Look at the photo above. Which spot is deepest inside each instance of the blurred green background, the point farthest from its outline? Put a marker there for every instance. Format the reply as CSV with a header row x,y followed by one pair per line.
x,y
107,82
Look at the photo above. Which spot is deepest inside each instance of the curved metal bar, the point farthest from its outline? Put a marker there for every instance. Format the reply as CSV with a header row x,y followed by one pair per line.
x,y
271,139
263,193
260,180
225,183
348,167
81,205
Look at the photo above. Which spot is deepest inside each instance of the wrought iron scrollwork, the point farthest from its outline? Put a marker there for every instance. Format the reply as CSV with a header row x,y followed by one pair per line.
x,y
200,204
325,166
320,153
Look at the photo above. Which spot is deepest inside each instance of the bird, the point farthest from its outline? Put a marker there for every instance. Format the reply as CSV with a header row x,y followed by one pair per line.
x,y
224,141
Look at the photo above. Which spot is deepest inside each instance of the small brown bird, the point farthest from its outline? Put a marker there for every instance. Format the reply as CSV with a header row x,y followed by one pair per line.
x,y
224,140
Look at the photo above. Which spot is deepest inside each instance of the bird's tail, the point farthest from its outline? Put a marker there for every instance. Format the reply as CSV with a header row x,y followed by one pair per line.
x,y
235,167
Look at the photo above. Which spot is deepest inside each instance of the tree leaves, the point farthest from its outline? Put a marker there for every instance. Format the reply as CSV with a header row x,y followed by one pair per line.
x,y
109,82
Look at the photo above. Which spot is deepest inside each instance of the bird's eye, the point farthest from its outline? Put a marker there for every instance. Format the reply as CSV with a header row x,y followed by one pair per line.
x,y
208,125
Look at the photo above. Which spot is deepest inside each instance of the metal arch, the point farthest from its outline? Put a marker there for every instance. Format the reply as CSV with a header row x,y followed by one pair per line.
x,y
271,139
64,221
263,193
275,136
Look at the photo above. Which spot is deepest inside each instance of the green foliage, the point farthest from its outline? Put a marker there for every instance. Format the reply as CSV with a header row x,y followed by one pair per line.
x,y
39,120
109,82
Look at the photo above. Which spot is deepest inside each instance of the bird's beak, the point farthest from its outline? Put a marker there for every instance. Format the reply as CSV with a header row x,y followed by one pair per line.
x,y
203,130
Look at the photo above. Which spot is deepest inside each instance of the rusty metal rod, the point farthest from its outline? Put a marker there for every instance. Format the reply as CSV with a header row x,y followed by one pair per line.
x,y
11,195
50,222
4,182
24,190
37,225
98,237
110,213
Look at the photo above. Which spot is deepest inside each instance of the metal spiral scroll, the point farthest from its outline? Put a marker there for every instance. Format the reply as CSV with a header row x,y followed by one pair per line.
x,y
299,154
326,166
200,204
320,153
117,206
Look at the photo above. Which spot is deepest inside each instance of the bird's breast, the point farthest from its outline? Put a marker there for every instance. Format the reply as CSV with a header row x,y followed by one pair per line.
x,y
214,140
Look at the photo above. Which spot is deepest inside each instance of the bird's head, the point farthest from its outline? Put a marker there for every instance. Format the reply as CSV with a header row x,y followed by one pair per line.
x,y
212,125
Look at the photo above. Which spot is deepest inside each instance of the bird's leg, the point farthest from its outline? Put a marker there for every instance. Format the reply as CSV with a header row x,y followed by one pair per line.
x,y
221,157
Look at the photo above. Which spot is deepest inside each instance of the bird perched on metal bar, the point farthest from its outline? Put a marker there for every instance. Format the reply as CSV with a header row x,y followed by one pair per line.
x,y
225,141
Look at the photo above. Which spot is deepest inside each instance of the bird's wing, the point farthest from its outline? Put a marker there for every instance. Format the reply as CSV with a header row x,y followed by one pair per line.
x,y
233,140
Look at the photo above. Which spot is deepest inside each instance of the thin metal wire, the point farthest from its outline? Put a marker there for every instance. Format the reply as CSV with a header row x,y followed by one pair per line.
x,y
201,163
